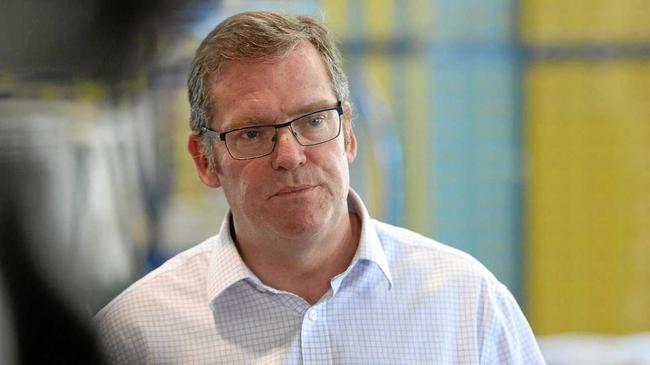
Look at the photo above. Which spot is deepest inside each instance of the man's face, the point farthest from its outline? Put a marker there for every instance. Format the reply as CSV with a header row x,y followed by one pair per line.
x,y
296,191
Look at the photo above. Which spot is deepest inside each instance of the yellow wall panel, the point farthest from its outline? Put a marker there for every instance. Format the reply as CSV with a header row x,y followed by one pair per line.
x,y
585,21
377,69
378,17
421,19
186,185
417,158
336,16
588,144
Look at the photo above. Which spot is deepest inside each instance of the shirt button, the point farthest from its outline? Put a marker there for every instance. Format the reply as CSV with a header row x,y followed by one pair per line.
x,y
312,315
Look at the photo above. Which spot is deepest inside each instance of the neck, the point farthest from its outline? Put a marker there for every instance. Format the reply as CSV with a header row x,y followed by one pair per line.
x,y
304,266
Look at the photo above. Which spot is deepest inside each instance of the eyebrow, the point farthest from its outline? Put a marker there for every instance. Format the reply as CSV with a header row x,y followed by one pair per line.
x,y
322,104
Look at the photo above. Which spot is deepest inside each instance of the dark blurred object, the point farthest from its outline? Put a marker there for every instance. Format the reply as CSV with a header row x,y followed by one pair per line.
x,y
101,40
46,328
61,43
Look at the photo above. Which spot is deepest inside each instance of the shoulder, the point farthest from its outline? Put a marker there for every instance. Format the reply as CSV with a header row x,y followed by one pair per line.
x,y
456,283
181,276
404,247
146,318
433,269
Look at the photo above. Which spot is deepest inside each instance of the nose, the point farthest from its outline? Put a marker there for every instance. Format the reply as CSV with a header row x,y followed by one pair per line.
x,y
288,153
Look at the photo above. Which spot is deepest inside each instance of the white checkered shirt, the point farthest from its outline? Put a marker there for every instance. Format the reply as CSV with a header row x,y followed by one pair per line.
x,y
404,299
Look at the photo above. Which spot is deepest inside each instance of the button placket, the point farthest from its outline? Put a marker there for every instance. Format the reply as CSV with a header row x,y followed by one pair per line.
x,y
316,346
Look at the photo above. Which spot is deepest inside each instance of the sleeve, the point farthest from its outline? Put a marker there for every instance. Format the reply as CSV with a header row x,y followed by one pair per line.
x,y
508,338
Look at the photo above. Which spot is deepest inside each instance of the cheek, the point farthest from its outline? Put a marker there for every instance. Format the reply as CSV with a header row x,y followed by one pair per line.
x,y
335,166
233,178
247,179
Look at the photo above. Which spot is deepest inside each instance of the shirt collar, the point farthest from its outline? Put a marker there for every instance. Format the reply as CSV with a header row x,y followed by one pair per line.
x,y
370,248
226,266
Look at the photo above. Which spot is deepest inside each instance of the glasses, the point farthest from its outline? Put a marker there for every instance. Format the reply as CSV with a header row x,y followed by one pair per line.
x,y
259,140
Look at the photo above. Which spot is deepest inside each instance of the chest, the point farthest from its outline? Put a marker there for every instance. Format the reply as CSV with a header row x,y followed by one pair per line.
x,y
370,327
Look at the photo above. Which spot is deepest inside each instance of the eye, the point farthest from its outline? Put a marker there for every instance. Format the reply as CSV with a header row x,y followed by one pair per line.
x,y
248,134
315,121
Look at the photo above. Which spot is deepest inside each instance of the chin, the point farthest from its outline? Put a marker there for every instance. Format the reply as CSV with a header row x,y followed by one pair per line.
x,y
294,224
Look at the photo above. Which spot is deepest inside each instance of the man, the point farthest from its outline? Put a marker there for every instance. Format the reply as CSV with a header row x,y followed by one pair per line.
x,y
299,273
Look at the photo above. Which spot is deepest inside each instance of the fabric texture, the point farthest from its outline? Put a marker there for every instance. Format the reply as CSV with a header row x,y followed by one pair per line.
x,y
404,299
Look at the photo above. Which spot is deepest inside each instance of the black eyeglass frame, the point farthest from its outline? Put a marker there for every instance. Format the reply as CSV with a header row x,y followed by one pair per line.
x,y
222,136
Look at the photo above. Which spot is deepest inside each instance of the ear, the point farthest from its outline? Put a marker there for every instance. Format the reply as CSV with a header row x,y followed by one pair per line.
x,y
351,143
206,175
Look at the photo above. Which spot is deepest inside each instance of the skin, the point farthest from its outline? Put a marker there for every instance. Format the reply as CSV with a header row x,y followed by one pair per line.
x,y
290,214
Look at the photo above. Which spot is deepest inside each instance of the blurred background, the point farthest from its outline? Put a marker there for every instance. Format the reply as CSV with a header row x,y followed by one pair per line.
x,y
518,131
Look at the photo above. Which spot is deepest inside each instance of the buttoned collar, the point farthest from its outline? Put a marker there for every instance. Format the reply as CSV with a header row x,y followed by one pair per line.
x,y
226,267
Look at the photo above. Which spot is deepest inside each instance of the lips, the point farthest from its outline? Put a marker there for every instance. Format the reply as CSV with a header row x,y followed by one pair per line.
x,y
293,190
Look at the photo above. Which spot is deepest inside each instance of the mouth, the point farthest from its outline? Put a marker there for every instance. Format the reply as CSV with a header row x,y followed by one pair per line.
x,y
294,190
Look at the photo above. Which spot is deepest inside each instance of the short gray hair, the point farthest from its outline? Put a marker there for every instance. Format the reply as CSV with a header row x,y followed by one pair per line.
x,y
250,37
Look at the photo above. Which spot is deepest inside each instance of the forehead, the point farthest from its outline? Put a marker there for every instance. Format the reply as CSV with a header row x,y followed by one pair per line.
x,y
270,91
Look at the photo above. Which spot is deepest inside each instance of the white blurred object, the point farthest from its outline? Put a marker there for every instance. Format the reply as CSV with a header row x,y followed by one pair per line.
x,y
593,349
77,223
